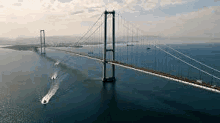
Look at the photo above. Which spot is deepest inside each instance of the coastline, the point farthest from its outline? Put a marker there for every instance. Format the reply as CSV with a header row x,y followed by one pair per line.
x,y
23,47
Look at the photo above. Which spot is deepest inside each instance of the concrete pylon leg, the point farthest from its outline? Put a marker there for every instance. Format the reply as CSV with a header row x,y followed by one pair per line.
x,y
110,79
42,41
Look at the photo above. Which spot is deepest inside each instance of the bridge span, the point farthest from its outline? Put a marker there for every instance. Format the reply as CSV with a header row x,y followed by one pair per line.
x,y
183,80
127,33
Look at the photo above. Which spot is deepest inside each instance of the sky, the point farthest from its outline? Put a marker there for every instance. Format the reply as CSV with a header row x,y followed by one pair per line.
x,y
25,18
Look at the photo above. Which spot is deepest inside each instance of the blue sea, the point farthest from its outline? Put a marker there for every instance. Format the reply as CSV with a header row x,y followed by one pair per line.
x,y
80,96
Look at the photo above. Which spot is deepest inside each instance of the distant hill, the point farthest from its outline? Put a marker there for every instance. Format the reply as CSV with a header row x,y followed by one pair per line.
x,y
71,40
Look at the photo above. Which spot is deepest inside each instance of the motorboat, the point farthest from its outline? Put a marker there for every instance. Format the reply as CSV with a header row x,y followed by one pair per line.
x,y
56,63
54,76
44,102
148,48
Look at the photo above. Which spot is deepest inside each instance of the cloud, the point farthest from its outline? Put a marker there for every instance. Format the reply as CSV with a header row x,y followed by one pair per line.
x,y
191,24
216,11
168,2
129,5
77,12
17,4
57,15
95,16
14,32
80,7
113,6
91,10
65,1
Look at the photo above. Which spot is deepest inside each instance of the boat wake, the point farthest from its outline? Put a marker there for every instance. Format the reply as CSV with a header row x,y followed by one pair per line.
x,y
55,83
53,89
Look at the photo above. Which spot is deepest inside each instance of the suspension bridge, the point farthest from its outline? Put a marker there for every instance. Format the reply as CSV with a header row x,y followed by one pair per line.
x,y
115,41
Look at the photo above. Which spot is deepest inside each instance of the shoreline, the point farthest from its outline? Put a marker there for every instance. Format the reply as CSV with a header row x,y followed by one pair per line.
x,y
23,47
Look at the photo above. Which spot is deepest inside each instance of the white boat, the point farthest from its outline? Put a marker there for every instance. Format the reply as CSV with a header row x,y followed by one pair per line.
x,y
44,102
50,93
57,63
54,76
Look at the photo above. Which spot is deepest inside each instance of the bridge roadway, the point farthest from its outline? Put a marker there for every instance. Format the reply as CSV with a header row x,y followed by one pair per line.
x,y
202,85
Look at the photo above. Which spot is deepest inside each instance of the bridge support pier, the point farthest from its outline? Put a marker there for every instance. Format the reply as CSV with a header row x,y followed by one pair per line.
x,y
42,44
110,79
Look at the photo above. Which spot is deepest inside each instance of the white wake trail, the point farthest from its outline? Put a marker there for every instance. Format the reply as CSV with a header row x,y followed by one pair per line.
x,y
53,89
50,93
55,84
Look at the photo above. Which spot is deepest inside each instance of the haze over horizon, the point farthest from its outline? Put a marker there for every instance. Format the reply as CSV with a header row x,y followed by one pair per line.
x,y
166,18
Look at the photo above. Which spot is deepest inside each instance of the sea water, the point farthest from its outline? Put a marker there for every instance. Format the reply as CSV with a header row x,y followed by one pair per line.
x,y
80,95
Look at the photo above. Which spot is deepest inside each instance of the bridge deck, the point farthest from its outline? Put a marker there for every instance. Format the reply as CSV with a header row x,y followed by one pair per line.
x,y
184,80
169,76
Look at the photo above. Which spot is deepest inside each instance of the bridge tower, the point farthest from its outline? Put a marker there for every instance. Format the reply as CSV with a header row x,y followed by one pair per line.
x,y
42,38
110,79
